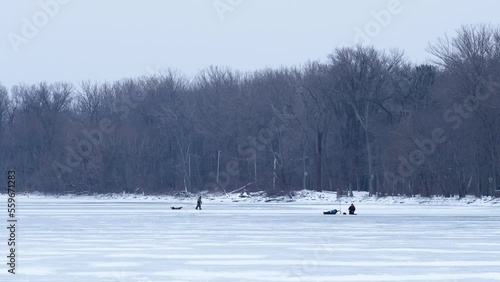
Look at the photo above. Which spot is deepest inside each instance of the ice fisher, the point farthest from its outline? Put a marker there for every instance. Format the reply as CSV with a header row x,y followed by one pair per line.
x,y
352,209
198,203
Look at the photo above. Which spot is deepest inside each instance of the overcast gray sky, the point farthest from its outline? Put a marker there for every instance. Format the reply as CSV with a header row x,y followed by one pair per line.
x,y
106,40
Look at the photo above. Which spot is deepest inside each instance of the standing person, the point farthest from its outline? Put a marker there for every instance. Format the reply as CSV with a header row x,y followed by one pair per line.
x,y
352,209
198,203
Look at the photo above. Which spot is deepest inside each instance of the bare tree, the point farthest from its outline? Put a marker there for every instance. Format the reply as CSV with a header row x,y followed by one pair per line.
x,y
361,76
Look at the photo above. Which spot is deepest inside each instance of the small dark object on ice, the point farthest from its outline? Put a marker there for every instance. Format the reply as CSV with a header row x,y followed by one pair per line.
x,y
331,212
176,208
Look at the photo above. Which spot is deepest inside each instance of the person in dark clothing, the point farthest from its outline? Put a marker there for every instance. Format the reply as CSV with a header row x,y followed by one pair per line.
x,y
198,203
352,209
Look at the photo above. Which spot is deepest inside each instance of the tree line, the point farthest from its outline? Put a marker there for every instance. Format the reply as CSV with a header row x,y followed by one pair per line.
x,y
364,119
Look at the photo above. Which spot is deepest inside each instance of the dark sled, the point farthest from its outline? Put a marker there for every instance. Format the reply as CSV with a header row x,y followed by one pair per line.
x,y
176,208
331,212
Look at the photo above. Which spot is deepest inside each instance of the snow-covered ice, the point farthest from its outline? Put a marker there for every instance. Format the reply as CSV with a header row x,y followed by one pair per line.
x,y
88,239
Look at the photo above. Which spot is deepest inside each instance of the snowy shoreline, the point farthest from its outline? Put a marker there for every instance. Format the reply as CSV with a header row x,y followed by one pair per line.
x,y
142,239
299,197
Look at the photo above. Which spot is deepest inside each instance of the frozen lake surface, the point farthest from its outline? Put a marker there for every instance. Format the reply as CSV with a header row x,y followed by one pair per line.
x,y
136,240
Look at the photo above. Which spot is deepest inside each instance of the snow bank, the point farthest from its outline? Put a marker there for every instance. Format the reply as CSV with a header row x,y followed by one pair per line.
x,y
303,196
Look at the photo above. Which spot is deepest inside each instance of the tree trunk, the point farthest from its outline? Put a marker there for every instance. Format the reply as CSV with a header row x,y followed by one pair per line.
x,y
368,150
319,160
